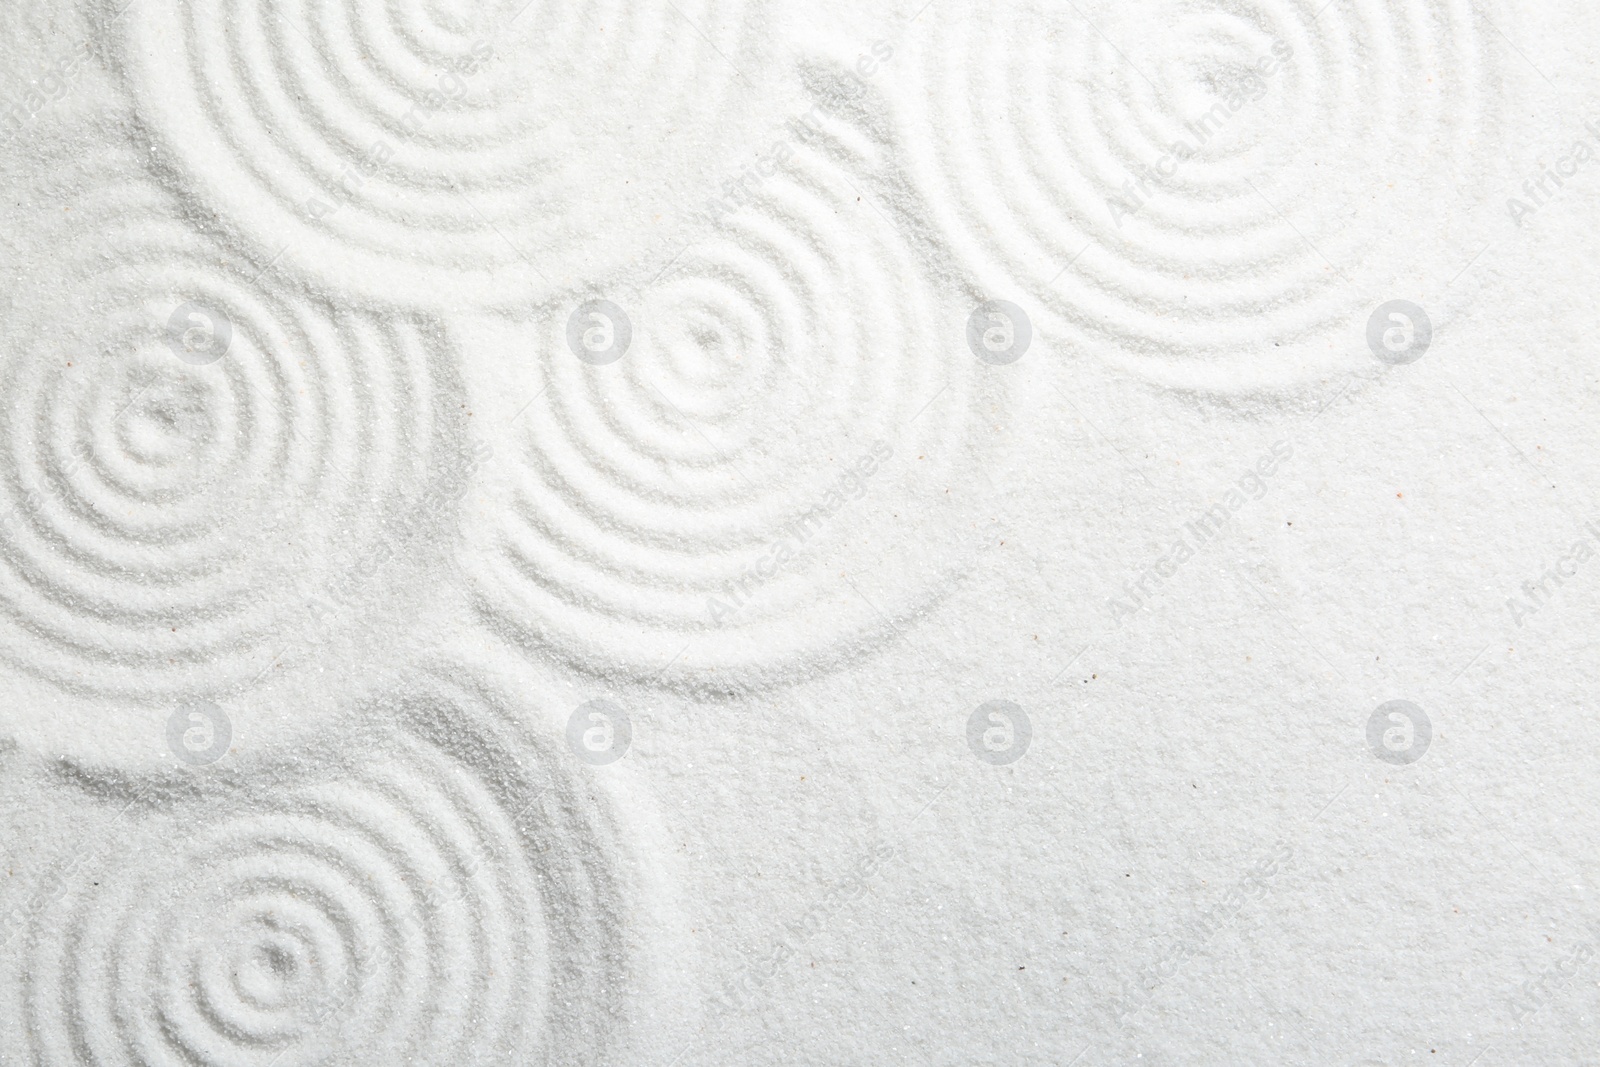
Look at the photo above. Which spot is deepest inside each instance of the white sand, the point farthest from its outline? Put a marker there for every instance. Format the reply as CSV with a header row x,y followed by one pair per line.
x,y
731,532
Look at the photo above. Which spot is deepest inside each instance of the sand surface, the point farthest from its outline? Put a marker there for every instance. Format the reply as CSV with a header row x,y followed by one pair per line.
x,y
667,532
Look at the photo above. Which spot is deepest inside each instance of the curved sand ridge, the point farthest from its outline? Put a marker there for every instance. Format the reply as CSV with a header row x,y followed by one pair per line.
x,y
729,501
163,523
437,893
1154,190
433,153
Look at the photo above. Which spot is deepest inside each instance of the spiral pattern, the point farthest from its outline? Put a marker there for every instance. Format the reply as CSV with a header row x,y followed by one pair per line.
x,y
191,449
1154,189
435,893
434,153
737,483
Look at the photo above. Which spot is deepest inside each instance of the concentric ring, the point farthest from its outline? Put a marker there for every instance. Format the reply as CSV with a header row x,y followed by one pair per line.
x,y
192,449
733,499
438,154
436,892
1214,206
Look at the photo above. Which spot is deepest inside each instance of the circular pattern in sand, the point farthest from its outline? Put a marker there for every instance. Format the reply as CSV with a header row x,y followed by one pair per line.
x,y
192,451
1212,205
436,153
436,892
775,474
